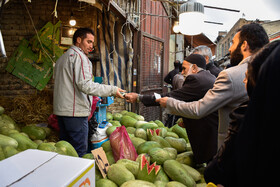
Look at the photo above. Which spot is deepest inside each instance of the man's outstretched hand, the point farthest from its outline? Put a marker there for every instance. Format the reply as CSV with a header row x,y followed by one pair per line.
x,y
118,94
162,101
131,97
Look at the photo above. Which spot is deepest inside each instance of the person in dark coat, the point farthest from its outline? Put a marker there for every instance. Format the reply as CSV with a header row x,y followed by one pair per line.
x,y
257,145
234,162
177,68
207,53
202,132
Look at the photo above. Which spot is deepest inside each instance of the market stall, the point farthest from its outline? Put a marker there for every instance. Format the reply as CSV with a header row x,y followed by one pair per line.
x,y
135,152
131,151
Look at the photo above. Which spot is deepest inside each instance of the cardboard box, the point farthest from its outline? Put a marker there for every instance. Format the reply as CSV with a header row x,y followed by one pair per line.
x,y
42,168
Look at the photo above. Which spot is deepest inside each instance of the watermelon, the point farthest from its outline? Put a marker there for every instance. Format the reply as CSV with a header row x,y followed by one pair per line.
x,y
138,183
148,126
9,151
119,174
117,116
105,183
2,155
64,147
110,157
115,123
109,116
146,171
7,141
141,133
176,172
161,141
146,146
139,124
7,119
138,159
23,142
137,141
159,155
124,112
34,132
128,121
179,144
159,123
131,165
106,146
110,130
135,116
2,110
88,156
153,132
181,132
47,147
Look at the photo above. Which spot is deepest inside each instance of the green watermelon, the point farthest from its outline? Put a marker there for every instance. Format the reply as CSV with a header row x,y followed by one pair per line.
x,y
146,171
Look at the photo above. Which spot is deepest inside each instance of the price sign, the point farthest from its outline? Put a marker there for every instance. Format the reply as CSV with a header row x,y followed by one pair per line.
x,y
101,160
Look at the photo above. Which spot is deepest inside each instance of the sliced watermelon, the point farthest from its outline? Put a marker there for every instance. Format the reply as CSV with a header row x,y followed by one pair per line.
x,y
153,132
146,171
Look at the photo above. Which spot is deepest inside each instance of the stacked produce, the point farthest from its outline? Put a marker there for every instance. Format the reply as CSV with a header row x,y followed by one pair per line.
x,y
14,139
164,158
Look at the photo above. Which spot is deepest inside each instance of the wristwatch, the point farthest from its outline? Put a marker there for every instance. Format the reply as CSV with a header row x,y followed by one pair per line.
x,y
139,98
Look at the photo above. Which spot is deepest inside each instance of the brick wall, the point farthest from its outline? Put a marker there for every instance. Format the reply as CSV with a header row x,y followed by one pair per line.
x,y
16,25
271,27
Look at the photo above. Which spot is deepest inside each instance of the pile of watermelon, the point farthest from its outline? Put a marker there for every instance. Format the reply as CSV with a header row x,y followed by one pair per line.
x,y
164,157
14,139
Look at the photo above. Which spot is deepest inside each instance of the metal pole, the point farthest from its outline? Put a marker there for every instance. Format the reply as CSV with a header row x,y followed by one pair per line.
x,y
219,8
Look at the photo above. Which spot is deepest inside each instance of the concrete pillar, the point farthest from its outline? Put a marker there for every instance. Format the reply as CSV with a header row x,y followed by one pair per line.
x,y
180,47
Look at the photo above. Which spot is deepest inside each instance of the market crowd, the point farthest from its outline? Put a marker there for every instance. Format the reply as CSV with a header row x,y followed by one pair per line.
x,y
246,98
230,115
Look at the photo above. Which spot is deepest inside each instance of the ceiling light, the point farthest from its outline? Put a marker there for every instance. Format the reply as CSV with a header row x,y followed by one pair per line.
x,y
191,18
176,27
72,21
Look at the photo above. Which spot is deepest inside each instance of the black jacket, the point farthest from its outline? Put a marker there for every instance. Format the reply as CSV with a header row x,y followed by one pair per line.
x,y
202,132
251,153
257,147
169,77
222,169
214,70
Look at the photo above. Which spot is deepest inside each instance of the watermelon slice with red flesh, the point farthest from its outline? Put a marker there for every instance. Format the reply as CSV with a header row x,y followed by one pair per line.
x,y
146,171
153,132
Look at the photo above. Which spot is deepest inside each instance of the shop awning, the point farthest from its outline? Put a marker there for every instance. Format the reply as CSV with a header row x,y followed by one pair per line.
x,y
201,39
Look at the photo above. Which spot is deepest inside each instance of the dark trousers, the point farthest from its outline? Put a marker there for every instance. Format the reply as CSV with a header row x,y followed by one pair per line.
x,y
75,131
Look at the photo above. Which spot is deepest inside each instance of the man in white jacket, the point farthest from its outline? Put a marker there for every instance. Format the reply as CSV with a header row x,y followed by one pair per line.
x,y
74,88
228,91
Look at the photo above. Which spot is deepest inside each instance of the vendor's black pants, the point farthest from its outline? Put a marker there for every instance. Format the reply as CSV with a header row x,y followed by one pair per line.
x,y
75,131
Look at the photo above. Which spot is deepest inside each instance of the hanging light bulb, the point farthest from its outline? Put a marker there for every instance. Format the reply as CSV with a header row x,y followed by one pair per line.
x,y
191,18
71,32
176,27
72,21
